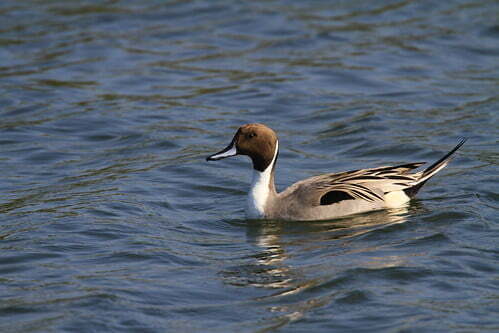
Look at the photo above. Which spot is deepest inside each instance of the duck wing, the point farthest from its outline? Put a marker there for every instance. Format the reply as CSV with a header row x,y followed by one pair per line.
x,y
365,184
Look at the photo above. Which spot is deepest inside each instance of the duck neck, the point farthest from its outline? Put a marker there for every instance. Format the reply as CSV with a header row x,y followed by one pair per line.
x,y
262,189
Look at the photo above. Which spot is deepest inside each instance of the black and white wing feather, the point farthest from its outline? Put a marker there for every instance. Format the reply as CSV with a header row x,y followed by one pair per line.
x,y
365,184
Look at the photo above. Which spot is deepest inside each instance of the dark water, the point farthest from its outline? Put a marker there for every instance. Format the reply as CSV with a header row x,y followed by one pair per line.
x,y
111,220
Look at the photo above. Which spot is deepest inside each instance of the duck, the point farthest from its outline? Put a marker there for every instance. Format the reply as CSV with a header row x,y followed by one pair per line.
x,y
326,196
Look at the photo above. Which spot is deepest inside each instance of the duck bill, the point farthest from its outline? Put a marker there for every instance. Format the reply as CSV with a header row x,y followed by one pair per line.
x,y
229,151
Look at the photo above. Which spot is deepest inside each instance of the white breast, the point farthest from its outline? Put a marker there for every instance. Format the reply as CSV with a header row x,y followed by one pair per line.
x,y
258,195
260,190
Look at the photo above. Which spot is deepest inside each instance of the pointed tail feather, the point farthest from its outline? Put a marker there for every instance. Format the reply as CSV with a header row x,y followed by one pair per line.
x,y
432,170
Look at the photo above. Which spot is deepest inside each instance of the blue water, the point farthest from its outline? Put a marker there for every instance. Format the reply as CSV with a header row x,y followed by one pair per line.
x,y
112,221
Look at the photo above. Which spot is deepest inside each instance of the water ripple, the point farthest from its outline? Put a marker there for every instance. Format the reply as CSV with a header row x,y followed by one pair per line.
x,y
112,220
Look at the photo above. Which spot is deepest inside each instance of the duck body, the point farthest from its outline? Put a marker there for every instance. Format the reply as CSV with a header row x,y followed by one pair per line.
x,y
325,196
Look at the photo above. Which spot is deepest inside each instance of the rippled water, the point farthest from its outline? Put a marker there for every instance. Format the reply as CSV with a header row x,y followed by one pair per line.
x,y
111,220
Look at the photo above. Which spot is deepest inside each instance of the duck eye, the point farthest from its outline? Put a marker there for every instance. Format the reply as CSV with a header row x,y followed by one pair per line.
x,y
251,135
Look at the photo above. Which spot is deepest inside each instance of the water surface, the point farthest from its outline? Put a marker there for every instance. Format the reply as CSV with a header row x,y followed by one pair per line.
x,y
112,221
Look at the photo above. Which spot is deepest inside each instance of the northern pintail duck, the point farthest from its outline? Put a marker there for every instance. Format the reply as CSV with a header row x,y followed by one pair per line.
x,y
326,196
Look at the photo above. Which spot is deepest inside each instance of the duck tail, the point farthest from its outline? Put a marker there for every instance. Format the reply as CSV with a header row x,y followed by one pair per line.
x,y
432,170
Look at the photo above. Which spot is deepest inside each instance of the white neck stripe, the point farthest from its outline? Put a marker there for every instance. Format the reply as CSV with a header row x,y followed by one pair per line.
x,y
260,189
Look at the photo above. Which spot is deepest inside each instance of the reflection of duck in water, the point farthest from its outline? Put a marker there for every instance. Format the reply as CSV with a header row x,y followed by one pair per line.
x,y
274,236
326,196
281,241
292,286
